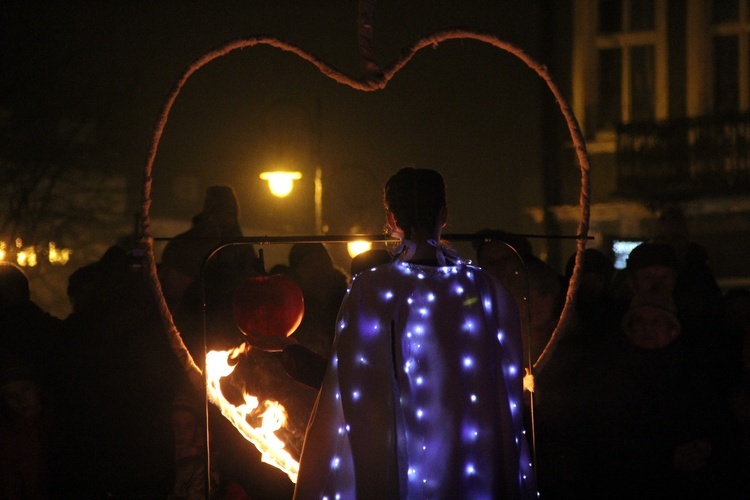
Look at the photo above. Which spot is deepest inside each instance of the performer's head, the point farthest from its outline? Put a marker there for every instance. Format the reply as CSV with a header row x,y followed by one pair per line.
x,y
415,202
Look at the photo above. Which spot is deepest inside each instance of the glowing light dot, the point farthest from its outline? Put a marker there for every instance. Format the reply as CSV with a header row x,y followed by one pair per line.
x,y
420,276
423,311
468,362
412,471
514,406
512,370
459,289
408,335
362,360
500,336
335,463
348,428
420,380
341,431
420,413
470,471
355,395
424,447
419,329
431,297
388,295
409,301
473,398
338,396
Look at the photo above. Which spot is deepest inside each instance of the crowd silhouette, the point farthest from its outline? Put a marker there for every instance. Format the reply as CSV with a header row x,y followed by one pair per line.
x,y
647,394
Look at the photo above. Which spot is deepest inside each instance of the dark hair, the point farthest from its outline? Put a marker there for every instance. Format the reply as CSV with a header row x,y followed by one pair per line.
x,y
14,285
415,197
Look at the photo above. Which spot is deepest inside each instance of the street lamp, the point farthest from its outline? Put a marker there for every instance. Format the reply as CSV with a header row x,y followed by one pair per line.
x,y
280,182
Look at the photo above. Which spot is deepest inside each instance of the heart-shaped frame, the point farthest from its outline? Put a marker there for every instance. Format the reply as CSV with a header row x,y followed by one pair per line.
x,y
374,78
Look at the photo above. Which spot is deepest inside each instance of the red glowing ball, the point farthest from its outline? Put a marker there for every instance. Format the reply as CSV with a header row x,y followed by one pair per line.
x,y
268,309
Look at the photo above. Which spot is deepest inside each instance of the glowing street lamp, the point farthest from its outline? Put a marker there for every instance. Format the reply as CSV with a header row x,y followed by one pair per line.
x,y
280,183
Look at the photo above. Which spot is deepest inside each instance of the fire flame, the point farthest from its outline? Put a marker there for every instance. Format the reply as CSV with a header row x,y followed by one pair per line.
x,y
272,415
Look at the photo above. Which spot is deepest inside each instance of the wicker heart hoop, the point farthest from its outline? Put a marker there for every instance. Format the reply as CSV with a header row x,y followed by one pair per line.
x,y
374,78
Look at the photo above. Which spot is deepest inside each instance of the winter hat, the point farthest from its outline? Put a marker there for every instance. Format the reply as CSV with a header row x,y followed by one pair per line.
x,y
652,254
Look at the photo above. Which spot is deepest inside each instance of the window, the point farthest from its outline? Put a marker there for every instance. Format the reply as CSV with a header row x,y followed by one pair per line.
x,y
620,71
625,42
730,30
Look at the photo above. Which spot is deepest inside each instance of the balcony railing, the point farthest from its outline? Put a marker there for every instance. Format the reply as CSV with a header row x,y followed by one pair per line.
x,y
684,158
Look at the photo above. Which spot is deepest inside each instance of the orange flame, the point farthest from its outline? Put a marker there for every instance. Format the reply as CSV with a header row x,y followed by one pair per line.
x,y
272,417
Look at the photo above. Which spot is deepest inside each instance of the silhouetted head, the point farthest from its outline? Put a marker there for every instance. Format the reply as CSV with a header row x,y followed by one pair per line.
x,y
14,285
415,200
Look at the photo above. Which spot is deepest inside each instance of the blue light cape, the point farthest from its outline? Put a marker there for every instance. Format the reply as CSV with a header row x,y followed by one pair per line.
x,y
422,397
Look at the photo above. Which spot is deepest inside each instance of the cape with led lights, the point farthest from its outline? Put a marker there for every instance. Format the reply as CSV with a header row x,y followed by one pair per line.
x,y
422,397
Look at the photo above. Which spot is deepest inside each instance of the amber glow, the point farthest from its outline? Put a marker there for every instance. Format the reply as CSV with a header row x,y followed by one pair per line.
x,y
280,183
357,247
271,414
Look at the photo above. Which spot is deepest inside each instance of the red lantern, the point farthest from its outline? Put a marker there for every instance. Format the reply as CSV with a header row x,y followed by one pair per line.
x,y
268,309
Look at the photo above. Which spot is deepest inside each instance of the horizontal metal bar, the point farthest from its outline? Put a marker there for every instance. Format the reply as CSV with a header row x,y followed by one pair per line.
x,y
345,238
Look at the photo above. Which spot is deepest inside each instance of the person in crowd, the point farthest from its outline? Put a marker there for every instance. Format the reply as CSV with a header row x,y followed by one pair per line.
x,y
27,330
114,377
308,366
323,286
423,393
25,424
737,317
668,431
184,257
696,292
543,305
199,289
567,398
596,317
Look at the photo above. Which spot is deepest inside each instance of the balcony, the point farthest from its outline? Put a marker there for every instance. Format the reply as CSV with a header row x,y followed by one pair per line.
x,y
684,159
